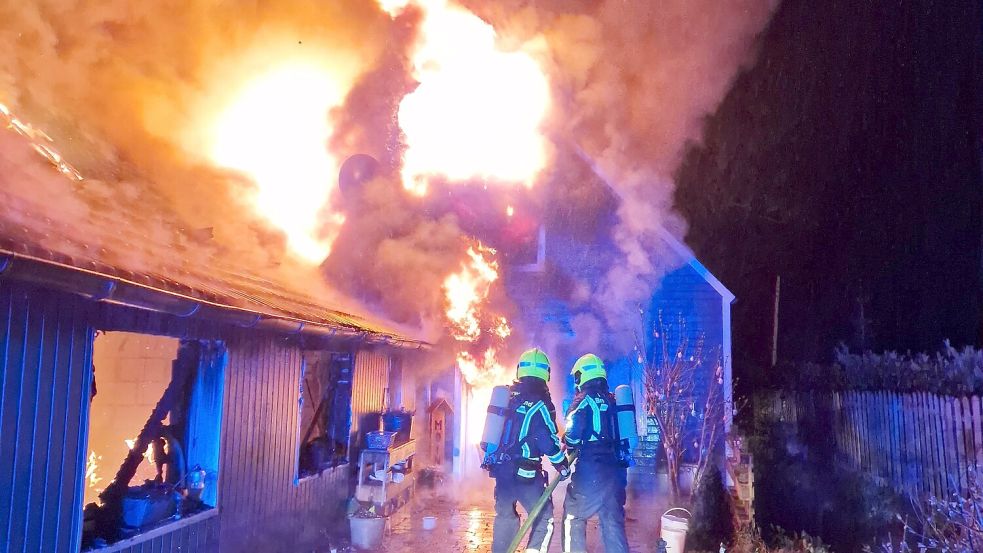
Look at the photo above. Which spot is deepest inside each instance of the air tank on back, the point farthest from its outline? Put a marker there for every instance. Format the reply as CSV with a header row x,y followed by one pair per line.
x,y
627,428
491,436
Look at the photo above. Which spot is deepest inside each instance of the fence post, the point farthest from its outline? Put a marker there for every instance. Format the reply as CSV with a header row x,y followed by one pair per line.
x,y
893,439
856,426
960,437
888,437
883,447
865,417
977,432
913,470
926,430
940,443
902,411
969,455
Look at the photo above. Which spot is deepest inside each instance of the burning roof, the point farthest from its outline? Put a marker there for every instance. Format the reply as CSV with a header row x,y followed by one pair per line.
x,y
127,239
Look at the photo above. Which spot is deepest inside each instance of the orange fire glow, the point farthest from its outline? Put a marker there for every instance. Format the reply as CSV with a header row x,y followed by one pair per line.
x,y
502,328
92,479
40,141
478,110
148,455
482,374
467,290
275,131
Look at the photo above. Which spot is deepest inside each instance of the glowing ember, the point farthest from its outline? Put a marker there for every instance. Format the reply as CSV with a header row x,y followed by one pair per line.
x,y
467,289
91,468
502,329
478,110
40,141
276,132
148,454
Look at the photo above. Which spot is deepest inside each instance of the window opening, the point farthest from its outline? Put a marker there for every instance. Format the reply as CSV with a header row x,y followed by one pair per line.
x,y
154,432
325,412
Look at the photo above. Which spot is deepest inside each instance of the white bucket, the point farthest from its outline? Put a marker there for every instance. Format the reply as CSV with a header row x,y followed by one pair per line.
x,y
367,532
429,523
674,530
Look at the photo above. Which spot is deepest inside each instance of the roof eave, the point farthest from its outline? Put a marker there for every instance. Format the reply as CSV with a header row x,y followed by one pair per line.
x,y
101,287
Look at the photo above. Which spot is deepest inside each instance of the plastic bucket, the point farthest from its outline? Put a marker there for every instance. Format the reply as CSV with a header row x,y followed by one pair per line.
x,y
367,532
674,530
429,523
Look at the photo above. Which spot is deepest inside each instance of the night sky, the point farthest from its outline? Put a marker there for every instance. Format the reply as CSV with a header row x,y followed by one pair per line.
x,y
847,159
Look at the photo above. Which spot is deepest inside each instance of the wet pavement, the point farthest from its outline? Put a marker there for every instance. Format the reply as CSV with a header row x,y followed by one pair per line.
x,y
465,516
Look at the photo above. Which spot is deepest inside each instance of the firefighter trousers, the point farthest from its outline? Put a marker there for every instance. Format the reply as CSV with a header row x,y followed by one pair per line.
x,y
595,489
510,490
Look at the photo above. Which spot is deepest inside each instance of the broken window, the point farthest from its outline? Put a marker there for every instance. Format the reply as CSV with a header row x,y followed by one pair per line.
x,y
325,412
153,434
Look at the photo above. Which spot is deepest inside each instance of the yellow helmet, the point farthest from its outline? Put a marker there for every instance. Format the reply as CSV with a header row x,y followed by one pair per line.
x,y
587,368
534,362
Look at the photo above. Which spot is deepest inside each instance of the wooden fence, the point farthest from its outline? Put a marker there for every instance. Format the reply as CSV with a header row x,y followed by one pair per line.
x,y
918,443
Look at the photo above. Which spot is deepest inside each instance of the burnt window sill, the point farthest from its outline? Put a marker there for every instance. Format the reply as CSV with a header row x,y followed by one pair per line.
x,y
157,532
307,476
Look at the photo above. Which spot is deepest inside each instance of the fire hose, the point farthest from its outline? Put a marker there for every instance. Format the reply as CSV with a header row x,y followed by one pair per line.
x,y
537,508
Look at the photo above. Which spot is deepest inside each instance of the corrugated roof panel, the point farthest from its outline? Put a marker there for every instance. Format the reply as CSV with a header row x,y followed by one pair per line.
x,y
137,238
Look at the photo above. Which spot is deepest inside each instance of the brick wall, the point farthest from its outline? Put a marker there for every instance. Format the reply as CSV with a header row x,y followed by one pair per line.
x,y
131,373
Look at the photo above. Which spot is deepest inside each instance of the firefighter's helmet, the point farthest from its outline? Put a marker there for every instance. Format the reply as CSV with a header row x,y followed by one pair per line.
x,y
587,368
534,363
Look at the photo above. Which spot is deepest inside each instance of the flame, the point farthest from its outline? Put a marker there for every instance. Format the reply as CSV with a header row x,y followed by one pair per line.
x,y
276,131
467,290
484,371
40,141
502,329
148,454
482,374
478,110
91,468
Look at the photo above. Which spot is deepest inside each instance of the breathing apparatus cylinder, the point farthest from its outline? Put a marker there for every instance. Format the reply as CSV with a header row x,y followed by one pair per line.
x,y
491,436
627,428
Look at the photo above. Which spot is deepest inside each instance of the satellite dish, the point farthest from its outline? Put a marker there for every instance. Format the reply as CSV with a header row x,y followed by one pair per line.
x,y
356,171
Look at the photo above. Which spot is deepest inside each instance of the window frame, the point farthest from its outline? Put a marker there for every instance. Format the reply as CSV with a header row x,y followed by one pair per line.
x,y
192,401
346,364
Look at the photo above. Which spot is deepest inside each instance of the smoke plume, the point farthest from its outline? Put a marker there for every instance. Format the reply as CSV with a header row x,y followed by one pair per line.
x,y
126,90
635,80
123,89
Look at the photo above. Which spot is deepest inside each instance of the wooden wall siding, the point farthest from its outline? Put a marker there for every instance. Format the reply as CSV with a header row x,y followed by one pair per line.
x,y
262,507
917,443
45,354
371,381
199,537
260,441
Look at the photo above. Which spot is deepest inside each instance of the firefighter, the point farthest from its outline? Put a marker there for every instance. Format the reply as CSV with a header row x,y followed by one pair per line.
x,y
600,476
529,434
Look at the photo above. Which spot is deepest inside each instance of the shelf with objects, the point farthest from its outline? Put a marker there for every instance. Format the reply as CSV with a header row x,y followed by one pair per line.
x,y
386,475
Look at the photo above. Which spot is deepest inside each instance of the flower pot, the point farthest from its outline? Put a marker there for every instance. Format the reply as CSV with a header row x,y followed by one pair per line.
x,y
367,532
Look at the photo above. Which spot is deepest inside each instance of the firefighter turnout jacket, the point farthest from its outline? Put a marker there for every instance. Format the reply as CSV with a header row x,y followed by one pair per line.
x,y
592,424
530,432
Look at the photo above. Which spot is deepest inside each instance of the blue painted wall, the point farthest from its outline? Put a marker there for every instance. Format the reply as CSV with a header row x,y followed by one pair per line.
x,y
45,355
685,294
45,379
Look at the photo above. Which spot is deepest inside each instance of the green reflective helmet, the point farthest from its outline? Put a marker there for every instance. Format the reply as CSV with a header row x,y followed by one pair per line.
x,y
587,368
534,363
